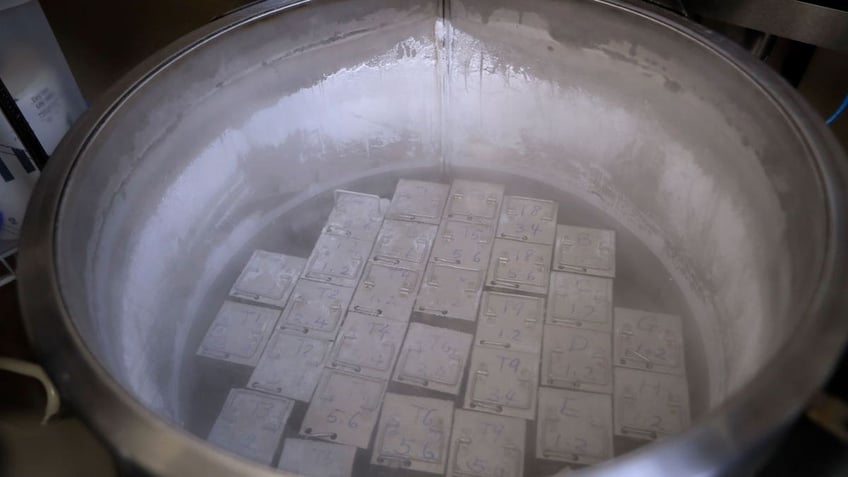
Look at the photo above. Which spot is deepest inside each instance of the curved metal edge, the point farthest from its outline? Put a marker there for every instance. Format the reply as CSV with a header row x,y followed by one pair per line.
x,y
140,435
135,433
792,377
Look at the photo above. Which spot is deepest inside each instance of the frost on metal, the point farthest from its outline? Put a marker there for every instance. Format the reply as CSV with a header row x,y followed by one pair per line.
x,y
251,424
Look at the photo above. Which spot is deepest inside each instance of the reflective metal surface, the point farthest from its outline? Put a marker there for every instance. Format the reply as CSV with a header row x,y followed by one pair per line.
x,y
687,147
808,21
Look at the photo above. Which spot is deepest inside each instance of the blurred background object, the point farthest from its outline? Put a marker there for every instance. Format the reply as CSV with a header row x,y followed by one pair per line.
x,y
39,100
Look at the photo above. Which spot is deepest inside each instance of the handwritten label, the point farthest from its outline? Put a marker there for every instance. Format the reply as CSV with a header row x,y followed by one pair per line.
x,y
290,366
316,458
344,409
518,266
580,300
418,201
511,322
433,358
268,278
368,345
528,220
463,244
413,433
579,359
650,405
251,424
585,250
404,243
574,426
503,382
239,333
316,309
484,445
474,201
387,291
651,341
450,292
338,260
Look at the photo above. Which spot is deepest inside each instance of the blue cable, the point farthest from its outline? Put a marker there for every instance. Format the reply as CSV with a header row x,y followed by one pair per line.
x,y
838,111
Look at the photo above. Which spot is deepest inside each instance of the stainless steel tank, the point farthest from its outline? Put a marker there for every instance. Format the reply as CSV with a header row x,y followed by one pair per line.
x,y
727,193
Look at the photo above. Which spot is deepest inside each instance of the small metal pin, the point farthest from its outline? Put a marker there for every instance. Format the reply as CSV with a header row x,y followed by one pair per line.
x,y
638,354
386,458
484,405
413,379
269,389
638,432
567,322
514,237
505,283
339,364
553,379
302,329
335,230
432,310
368,311
446,260
381,258
502,344
320,435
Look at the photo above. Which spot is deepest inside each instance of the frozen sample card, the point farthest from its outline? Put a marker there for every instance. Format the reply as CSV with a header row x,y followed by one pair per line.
x,y
251,424
433,358
576,358
585,250
582,301
503,382
649,341
368,345
485,445
649,405
509,321
474,201
317,459
413,433
574,426
344,409
418,201
290,366
450,292
528,220
268,278
316,309
239,333
519,266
